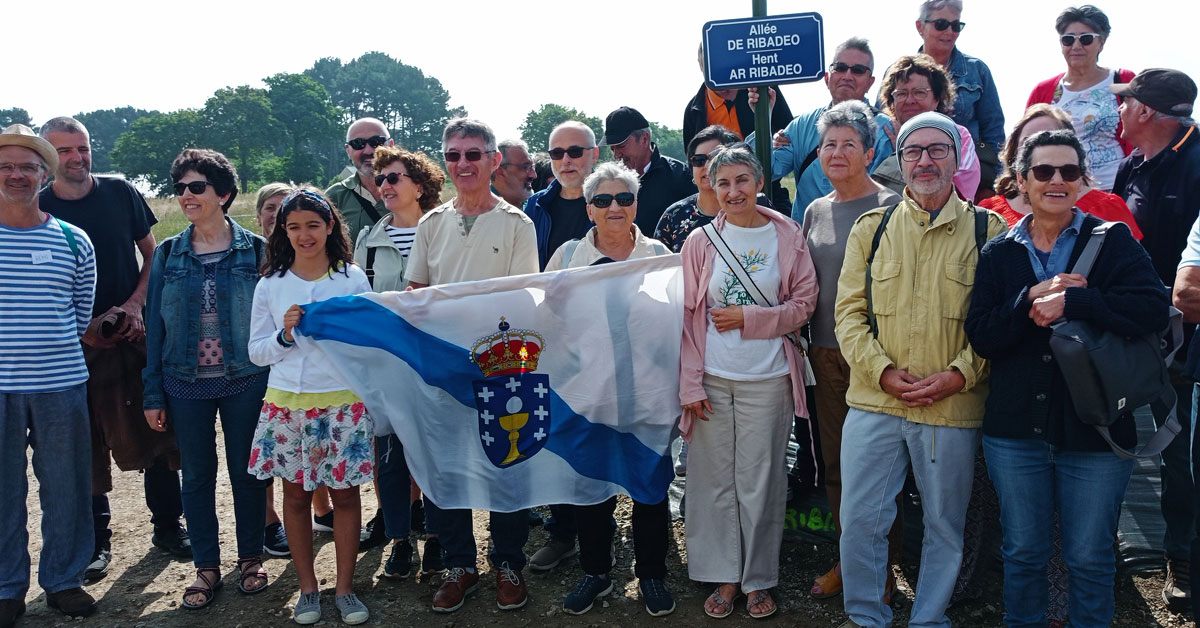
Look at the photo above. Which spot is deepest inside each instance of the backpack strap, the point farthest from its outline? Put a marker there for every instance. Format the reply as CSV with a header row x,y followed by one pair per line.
x,y
981,225
808,160
887,215
370,269
569,252
70,235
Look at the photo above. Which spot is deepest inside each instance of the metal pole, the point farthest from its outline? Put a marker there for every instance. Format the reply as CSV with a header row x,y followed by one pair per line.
x,y
762,112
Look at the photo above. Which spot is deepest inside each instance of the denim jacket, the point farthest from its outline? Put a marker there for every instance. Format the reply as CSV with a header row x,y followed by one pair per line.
x,y
173,309
977,106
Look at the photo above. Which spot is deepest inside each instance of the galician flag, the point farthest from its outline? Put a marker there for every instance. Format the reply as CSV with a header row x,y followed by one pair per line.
x,y
557,388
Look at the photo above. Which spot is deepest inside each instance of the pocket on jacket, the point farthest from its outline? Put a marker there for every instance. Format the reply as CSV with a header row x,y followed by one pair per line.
x,y
957,282
885,286
964,103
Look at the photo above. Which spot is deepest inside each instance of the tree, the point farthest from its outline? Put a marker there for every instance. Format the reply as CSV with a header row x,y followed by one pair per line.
x,y
238,122
147,149
538,124
105,126
305,111
16,115
669,141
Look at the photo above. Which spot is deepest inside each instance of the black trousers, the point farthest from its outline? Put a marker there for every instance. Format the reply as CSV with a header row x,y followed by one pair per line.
x,y
596,527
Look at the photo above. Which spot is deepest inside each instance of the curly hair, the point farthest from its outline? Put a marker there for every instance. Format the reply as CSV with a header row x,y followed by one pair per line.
x,y
1006,183
281,255
923,64
214,166
422,171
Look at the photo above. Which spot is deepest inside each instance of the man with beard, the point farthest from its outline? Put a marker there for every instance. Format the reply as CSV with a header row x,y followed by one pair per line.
x,y
513,180
357,196
559,212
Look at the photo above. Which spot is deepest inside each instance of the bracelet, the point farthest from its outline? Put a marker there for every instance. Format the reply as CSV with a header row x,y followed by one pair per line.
x,y
282,339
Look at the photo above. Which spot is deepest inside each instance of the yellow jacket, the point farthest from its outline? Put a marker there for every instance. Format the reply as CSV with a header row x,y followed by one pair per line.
x,y
921,280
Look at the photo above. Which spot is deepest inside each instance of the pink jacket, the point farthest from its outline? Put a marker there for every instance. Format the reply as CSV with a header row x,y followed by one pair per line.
x,y
797,295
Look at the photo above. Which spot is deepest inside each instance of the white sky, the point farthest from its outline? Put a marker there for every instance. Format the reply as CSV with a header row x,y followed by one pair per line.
x,y
500,60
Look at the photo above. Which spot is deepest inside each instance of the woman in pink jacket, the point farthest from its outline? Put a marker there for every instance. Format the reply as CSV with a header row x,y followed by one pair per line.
x,y
741,381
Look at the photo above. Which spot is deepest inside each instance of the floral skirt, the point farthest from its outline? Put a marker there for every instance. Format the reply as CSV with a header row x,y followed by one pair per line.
x,y
332,446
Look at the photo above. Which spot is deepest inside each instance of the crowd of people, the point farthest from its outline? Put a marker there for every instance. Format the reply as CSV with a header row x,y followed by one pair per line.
x,y
894,316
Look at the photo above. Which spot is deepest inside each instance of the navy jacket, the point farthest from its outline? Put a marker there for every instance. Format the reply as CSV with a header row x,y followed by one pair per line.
x,y
666,180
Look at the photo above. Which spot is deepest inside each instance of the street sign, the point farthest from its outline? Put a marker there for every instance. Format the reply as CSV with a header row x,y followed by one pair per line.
x,y
768,50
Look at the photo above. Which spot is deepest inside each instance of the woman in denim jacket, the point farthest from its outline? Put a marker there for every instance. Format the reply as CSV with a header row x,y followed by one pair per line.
x,y
198,307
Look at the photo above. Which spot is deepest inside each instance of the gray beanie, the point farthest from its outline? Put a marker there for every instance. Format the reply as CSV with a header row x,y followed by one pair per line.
x,y
931,120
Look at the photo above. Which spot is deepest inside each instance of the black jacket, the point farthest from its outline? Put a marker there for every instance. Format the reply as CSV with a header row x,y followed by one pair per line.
x,y
666,180
1028,397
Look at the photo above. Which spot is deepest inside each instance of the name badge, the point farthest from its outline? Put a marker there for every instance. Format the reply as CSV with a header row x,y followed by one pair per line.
x,y
42,257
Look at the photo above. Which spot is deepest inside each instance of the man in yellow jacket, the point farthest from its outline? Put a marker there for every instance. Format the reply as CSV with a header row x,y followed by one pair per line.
x,y
916,387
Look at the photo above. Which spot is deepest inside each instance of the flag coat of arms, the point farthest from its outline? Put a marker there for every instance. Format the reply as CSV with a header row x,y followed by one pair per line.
x,y
520,391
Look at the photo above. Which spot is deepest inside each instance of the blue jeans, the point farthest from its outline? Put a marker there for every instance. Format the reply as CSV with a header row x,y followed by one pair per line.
x,y
510,531
56,426
195,422
1033,479
877,450
1179,513
391,474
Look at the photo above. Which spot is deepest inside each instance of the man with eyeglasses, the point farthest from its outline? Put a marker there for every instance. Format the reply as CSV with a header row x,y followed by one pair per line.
x,y
917,389
664,180
559,214
476,235
48,280
118,220
357,196
513,180
795,147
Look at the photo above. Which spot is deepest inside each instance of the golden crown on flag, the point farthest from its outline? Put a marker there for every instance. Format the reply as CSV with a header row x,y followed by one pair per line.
x,y
509,352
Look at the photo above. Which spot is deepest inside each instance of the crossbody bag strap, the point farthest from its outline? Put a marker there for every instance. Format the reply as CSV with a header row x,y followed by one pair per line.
x,y
1091,250
808,161
887,215
369,208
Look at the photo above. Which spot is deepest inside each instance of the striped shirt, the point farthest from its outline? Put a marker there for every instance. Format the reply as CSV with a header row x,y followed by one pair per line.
x,y
402,237
45,306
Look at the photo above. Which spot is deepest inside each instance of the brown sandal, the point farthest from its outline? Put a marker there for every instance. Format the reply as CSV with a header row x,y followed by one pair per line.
x,y
249,568
209,590
828,585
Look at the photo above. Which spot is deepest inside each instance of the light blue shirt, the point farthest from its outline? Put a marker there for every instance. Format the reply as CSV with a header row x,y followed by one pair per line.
x,y
1060,255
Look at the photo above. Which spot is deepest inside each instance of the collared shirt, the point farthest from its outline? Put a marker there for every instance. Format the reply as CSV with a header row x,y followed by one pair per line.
x,y
1059,254
722,112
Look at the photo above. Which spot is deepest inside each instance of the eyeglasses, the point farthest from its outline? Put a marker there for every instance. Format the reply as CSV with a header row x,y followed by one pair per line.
x,y
919,93
195,187
857,69
1085,39
1045,172
392,178
574,152
943,24
359,143
624,199
936,151
471,155
29,169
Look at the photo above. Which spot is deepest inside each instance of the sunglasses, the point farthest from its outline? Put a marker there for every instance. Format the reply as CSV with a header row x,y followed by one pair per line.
x,y
471,155
1085,39
857,69
195,187
392,178
936,151
359,143
943,24
698,160
574,152
1045,172
624,199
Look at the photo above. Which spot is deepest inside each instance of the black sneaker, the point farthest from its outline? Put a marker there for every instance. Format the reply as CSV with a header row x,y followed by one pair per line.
x,y
431,558
173,541
375,533
416,517
657,597
98,567
580,600
323,523
275,540
400,561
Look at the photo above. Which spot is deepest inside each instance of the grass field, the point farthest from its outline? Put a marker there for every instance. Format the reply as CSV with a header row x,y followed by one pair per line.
x,y
171,219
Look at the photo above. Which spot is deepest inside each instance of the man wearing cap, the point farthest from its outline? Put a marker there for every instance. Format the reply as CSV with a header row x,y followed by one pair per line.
x,y
559,212
47,281
664,179
357,196
513,180
917,388
117,220
1160,181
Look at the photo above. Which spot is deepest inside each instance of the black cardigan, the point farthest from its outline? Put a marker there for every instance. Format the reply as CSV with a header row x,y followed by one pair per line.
x,y
1028,397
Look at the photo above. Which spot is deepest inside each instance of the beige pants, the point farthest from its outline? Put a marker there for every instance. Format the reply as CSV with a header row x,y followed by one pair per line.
x,y
737,482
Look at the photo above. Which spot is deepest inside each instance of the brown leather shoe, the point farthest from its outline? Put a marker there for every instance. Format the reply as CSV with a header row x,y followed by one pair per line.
x,y
456,585
510,588
10,610
74,602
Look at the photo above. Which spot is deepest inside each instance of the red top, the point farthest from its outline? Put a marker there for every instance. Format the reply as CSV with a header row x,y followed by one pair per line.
x,y
1044,92
1105,206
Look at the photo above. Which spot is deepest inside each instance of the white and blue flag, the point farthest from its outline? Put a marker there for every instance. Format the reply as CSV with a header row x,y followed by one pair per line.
x,y
557,388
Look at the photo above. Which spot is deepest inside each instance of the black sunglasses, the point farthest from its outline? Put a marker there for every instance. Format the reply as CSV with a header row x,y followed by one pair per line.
x,y
359,143
698,160
857,69
195,187
942,24
392,178
471,155
574,152
1045,172
1085,39
624,199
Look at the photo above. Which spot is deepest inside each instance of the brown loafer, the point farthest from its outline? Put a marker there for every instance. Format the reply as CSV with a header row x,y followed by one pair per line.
x,y
510,588
74,602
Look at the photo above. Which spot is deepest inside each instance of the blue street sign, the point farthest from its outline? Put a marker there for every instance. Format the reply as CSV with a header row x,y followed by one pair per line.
x,y
764,50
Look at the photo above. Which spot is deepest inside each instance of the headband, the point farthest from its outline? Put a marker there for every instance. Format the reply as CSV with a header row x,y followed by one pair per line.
x,y
325,209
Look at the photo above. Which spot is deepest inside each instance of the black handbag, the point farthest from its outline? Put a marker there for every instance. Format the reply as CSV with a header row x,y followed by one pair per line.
x,y
1109,375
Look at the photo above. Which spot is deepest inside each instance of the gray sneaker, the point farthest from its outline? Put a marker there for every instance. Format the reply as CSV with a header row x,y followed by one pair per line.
x,y
308,608
353,611
551,554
